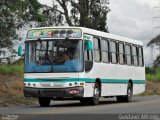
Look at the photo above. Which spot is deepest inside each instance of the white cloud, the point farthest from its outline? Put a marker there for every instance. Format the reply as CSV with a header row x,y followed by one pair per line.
x,y
151,3
134,19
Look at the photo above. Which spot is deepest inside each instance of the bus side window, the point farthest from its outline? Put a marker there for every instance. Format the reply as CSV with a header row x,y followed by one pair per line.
x,y
121,57
128,54
96,47
113,51
140,56
105,51
134,55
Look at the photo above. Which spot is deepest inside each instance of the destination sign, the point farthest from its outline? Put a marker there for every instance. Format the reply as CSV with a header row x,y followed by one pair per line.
x,y
54,33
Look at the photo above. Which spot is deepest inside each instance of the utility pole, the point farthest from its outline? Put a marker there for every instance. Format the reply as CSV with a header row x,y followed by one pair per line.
x,y
156,29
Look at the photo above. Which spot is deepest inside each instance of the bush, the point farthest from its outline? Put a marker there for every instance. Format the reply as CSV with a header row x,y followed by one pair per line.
x,y
153,74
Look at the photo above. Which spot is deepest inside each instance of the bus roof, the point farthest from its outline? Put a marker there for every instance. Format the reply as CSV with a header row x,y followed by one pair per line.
x,y
101,34
111,36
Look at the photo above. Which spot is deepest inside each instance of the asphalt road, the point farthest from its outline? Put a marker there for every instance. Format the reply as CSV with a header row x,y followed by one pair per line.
x,y
139,105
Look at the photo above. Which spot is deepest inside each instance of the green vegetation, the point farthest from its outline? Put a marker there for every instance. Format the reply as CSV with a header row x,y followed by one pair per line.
x,y
153,74
11,69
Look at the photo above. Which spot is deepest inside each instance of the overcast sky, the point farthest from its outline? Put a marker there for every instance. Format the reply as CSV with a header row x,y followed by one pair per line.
x,y
132,18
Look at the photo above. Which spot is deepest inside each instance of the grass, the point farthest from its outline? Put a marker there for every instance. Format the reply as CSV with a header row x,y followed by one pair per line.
x,y
11,69
153,74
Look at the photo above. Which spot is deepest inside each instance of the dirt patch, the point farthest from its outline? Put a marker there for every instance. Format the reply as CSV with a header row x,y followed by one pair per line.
x,y
152,88
11,91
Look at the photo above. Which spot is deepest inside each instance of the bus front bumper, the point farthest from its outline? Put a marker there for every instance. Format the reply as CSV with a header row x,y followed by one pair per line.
x,y
54,92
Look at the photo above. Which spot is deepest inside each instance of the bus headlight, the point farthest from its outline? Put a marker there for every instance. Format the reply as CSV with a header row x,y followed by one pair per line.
x,y
34,84
70,84
29,84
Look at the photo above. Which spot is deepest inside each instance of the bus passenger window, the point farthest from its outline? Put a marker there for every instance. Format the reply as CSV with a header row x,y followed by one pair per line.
x,y
134,56
121,54
105,51
113,50
140,57
96,49
128,54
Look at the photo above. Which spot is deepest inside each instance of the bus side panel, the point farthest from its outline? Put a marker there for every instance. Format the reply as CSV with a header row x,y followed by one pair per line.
x,y
112,89
139,80
114,78
113,83
138,88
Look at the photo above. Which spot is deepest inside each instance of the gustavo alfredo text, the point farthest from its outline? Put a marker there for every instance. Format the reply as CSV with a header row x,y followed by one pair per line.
x,y
139,117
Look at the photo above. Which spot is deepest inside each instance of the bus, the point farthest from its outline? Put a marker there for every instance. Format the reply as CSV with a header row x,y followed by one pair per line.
x,y
81,64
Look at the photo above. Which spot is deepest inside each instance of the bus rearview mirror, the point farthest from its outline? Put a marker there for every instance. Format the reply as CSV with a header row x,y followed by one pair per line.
x,y
89,45
19,50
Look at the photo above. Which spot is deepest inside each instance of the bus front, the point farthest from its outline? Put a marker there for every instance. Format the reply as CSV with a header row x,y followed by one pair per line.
x,y
53,63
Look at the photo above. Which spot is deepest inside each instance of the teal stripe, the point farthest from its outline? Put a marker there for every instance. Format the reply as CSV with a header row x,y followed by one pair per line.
x,y
59,80
139,81
122,81
88,80
114,81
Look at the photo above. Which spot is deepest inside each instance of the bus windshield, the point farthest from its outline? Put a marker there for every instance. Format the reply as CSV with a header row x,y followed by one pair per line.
x,y
53,56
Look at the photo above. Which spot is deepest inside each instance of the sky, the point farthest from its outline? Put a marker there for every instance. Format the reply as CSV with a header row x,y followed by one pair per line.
x,y
134,19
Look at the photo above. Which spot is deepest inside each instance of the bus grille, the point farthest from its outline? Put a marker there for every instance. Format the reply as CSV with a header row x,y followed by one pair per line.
x,y
52,85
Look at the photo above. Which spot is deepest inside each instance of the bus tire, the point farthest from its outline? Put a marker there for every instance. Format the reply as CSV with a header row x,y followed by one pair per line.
x,y
83,101
95,99
44,101
128,97
120,98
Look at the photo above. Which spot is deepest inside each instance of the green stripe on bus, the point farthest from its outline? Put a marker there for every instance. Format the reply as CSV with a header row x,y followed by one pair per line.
x,y
88,80
122,81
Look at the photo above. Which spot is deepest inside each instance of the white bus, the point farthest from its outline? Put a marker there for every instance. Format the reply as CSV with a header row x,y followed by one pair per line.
x,y
82,64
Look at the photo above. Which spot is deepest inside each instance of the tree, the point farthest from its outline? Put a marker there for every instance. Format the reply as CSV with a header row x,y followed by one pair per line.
x,y
155,41
13,15
84,13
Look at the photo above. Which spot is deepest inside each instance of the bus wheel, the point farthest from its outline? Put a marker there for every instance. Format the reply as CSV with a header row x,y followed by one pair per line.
x,y
44,101
129,95
120,98
83,101
95,99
